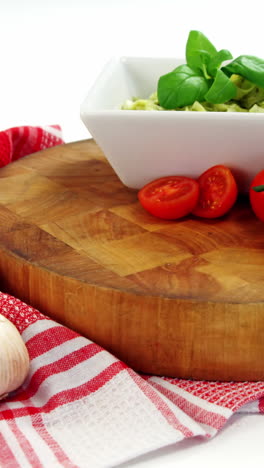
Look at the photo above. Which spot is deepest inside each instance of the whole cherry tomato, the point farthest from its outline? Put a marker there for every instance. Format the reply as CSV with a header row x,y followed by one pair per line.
x,y
256,195
218,192
170,197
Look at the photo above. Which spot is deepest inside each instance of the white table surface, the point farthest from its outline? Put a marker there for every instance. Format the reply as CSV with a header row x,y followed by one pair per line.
x,y
51,53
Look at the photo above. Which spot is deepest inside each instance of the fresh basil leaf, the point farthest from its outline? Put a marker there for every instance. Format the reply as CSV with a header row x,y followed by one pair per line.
x,y
217,60
222,89
248,66
181,87
198,50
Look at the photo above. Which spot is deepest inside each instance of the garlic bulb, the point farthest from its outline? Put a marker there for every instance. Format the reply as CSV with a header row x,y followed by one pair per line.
x,y
14,359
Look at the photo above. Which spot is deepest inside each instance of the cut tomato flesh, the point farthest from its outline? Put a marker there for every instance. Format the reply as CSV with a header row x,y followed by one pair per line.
x,y
169,197
218,192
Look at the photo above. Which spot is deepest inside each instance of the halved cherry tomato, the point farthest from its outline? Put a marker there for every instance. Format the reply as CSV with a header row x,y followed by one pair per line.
x,y
218,192
257,198
170,197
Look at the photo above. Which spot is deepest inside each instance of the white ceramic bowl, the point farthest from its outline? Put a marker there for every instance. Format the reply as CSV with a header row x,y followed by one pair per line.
x,y
144,145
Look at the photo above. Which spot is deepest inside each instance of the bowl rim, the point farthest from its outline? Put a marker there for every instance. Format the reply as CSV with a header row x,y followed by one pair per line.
x,y
172,114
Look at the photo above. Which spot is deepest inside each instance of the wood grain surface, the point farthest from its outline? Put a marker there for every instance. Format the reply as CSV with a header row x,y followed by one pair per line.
x,y
178,298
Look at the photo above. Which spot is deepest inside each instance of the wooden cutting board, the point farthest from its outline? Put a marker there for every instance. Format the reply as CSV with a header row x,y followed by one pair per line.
x,y
178,298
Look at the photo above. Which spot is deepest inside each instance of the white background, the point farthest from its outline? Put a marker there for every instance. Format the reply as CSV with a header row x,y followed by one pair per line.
x,y
51,53
52,50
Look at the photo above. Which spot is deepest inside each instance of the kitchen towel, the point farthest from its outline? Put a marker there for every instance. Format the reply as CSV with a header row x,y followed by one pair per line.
x,y
20,141
82,407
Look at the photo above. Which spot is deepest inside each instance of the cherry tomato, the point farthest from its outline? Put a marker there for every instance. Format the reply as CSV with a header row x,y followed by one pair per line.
x,y
218,192
257,198
170,197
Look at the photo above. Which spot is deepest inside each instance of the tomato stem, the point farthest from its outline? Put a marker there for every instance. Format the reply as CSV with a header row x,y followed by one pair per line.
x,y
258,188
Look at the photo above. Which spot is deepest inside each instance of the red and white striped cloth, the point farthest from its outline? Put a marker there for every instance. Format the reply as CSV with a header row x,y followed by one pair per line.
x,y
17,142
82,407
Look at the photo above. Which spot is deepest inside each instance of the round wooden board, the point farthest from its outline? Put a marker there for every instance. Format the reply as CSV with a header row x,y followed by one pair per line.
x,y
178,298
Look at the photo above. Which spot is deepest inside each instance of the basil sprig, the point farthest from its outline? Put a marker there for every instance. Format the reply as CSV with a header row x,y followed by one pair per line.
x,y
203,79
